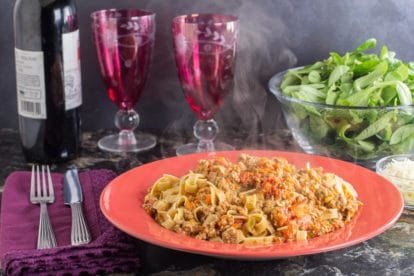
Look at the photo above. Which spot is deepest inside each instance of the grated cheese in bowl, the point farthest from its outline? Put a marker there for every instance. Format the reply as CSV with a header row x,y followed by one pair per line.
x,y
399,170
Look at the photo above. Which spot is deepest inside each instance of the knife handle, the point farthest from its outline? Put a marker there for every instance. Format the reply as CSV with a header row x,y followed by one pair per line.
x,y
80,232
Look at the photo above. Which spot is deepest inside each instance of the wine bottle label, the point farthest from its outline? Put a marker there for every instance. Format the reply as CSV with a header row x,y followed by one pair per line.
x,y
72,72
30,80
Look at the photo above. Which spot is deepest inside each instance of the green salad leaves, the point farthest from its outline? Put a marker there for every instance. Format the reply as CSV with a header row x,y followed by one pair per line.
x,y
358,80
354,79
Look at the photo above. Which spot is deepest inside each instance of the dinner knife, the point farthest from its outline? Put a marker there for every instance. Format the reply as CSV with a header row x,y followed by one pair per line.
x,y
72,194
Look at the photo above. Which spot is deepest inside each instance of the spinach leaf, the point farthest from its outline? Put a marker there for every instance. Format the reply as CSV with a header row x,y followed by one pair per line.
x,y
370,78
376,127
402,133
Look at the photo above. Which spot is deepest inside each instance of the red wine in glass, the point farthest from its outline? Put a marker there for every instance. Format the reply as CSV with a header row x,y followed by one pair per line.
x,y
124,41
205,53
206,78
125,68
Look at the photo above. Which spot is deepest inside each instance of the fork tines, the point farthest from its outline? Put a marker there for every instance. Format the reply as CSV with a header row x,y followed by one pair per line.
x,y
38,188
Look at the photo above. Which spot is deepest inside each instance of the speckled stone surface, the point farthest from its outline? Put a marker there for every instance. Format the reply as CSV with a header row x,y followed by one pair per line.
x,y
391,253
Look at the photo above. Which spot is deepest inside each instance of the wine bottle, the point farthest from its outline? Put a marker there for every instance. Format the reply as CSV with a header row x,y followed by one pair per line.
x,y
48,79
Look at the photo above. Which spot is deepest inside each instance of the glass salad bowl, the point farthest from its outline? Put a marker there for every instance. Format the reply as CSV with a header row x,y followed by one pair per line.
x,y
362,135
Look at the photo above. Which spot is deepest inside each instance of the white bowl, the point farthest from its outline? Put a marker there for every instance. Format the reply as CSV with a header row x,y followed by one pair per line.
x,y
399,170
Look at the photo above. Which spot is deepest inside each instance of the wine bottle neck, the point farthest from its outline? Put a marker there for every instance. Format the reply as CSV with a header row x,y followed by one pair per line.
x,y
44,3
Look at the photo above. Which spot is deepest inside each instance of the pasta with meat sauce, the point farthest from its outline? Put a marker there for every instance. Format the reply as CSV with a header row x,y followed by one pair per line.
x,y
255,200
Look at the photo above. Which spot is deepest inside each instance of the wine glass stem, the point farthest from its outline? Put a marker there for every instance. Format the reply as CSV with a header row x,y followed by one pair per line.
x,y
126,121
127,137
205,146
205,131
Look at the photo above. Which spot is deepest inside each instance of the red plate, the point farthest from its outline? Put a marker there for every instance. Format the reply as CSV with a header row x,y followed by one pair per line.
x,y
121,202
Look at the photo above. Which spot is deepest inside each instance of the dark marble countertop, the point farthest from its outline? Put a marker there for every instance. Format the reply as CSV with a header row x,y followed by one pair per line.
x,y
391,253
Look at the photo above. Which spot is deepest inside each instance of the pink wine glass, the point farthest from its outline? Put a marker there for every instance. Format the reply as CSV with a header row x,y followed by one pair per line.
x,y
205,53
124,41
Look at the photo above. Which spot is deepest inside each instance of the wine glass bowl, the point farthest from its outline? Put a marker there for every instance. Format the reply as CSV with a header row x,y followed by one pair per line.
x,y
124,40
205,54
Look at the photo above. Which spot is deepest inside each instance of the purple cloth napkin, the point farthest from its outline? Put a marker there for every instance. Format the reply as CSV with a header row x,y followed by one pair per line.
x,y
110,251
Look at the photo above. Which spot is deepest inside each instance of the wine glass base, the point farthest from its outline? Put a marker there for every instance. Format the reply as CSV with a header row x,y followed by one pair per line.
x,y
192,148
111,143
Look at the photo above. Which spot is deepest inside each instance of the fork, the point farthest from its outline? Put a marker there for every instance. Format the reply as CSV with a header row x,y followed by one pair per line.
x,y
42,193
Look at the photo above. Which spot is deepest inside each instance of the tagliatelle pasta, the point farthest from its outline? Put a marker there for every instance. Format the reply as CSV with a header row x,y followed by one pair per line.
x,y
255,200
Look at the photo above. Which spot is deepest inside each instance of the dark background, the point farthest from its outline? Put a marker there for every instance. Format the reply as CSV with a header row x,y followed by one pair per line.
x,y
274,35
